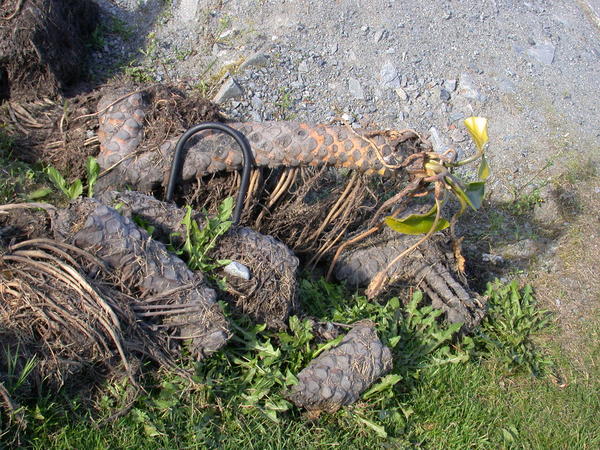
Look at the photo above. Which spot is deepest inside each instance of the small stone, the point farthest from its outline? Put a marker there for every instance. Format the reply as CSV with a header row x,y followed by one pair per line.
x,y
303,67
356,89
255,60
347,118
456,116
379,35
524,249
238,270
457,135
333,49
444,95
229,89
436,140
450,85
494,259
542,53
255,116
388,76
256,102
506,86
466,87
402,95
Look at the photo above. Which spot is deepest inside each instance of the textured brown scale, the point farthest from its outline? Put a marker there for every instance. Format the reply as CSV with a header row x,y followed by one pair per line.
x,y
274,144
338,376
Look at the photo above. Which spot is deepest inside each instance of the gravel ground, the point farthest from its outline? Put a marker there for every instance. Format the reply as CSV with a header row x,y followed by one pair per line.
x,y
531,67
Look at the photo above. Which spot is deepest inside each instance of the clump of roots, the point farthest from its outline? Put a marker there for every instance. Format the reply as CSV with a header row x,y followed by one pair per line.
x,y
66,315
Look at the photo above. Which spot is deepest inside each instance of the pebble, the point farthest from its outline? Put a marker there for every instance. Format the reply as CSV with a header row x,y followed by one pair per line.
x,y
303,67
379,35
524,249
494,259
450,85
542,53
347,118
444,95
506,86
388,76
457,135
256,116
466,87
256,102
436,141
229,89
255,60
402,95
356,89
238,270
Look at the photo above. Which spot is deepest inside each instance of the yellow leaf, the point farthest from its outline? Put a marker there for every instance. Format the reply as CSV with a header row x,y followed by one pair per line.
x,y
484,169
477,127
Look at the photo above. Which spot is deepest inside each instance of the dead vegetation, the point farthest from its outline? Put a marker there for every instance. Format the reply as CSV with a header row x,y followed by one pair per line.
x,y
43,46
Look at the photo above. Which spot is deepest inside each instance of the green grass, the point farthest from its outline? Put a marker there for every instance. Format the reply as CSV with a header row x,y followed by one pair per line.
x,y
17,179
451,394
456,406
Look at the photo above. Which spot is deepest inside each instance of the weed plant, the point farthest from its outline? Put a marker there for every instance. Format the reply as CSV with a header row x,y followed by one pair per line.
x,y
444,389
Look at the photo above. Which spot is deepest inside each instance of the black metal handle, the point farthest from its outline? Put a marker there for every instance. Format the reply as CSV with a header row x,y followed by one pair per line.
x,y
240,139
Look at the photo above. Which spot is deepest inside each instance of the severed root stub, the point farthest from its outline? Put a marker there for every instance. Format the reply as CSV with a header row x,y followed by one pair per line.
x,y
432,267
339,375
169,293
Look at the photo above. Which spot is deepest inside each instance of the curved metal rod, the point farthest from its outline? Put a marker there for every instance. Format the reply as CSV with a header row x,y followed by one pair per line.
x,y
240,139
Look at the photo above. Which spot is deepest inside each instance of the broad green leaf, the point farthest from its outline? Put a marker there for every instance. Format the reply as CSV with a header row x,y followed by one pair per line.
x,y
393,341
151,430
75,190
416,223
484,169
380,430
225,210
93,170
56,178
477,127
39,193
280,405
393,303
386,382
475,192
327,345
271,414
460,194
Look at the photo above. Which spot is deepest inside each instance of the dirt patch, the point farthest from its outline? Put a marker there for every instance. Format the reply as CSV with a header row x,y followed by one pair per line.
x,y
569,284
43,47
